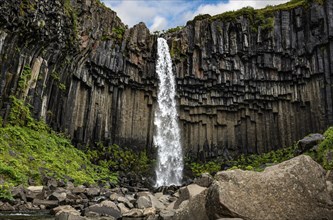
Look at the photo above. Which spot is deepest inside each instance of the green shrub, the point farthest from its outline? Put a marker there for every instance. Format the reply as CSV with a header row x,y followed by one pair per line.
x,y
200,168
324,153
5,193
118,33
116,158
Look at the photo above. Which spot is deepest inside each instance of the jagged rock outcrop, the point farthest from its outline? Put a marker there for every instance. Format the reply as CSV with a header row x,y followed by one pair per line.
x,y
243,87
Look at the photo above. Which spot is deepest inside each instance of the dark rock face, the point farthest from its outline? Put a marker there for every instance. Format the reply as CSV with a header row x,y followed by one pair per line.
x,y
239,90
253,91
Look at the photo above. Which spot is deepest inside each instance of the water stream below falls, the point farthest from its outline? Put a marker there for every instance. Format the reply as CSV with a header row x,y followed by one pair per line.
x,y
169,169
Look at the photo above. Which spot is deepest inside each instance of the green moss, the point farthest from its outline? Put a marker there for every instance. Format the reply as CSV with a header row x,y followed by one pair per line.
x,y
62,87
30,153
27,6
72,14
106,37
55,76
173,30
19,113
118,33
24,78
30,149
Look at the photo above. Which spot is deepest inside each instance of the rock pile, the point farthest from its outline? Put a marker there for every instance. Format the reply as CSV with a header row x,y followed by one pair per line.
x,y
295,189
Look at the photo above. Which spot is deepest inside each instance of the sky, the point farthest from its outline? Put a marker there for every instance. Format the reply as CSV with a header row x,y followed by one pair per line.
x,y
164,14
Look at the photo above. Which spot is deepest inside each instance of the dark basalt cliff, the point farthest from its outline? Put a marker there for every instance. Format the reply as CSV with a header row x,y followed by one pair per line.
x,y
243,86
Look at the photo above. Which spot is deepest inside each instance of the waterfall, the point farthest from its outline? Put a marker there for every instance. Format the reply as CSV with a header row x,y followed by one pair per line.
x,y
169,169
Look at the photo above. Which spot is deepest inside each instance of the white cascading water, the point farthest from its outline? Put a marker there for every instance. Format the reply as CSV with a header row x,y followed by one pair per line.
x,y
169,168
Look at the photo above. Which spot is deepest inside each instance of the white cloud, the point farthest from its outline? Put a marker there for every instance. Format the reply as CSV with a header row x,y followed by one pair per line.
x,y
132,12
159,23
159,15
156,14
218,8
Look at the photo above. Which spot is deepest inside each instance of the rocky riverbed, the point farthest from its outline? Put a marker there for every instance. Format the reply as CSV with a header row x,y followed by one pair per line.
x,y
282,191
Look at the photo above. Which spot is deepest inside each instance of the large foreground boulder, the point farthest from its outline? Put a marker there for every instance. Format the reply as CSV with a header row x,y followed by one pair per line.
x,y
294,189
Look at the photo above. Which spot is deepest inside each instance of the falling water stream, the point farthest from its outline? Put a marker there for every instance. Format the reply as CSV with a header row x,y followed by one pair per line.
x,y
169,169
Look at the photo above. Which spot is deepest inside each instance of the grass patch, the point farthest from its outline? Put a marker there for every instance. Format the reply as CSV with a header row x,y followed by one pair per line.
x,y
28,153
30,149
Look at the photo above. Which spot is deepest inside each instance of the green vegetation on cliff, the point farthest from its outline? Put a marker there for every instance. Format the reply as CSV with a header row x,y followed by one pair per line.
x,y
263,18
323,154
118,158
29,149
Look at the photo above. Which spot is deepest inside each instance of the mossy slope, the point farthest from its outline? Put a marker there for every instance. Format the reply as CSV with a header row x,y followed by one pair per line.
x,y
29,149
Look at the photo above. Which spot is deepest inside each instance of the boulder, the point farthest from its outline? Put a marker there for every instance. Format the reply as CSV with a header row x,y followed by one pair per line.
x,y
188,192
65,209
294,189
156,203
79,190
107,208
123,209
91,192
194,208
58,196
35,189
124,200
143,202
309,142
114,196
34,192
19,193
69,216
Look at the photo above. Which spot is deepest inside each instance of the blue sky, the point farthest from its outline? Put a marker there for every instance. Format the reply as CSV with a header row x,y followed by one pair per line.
x,y
164,14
